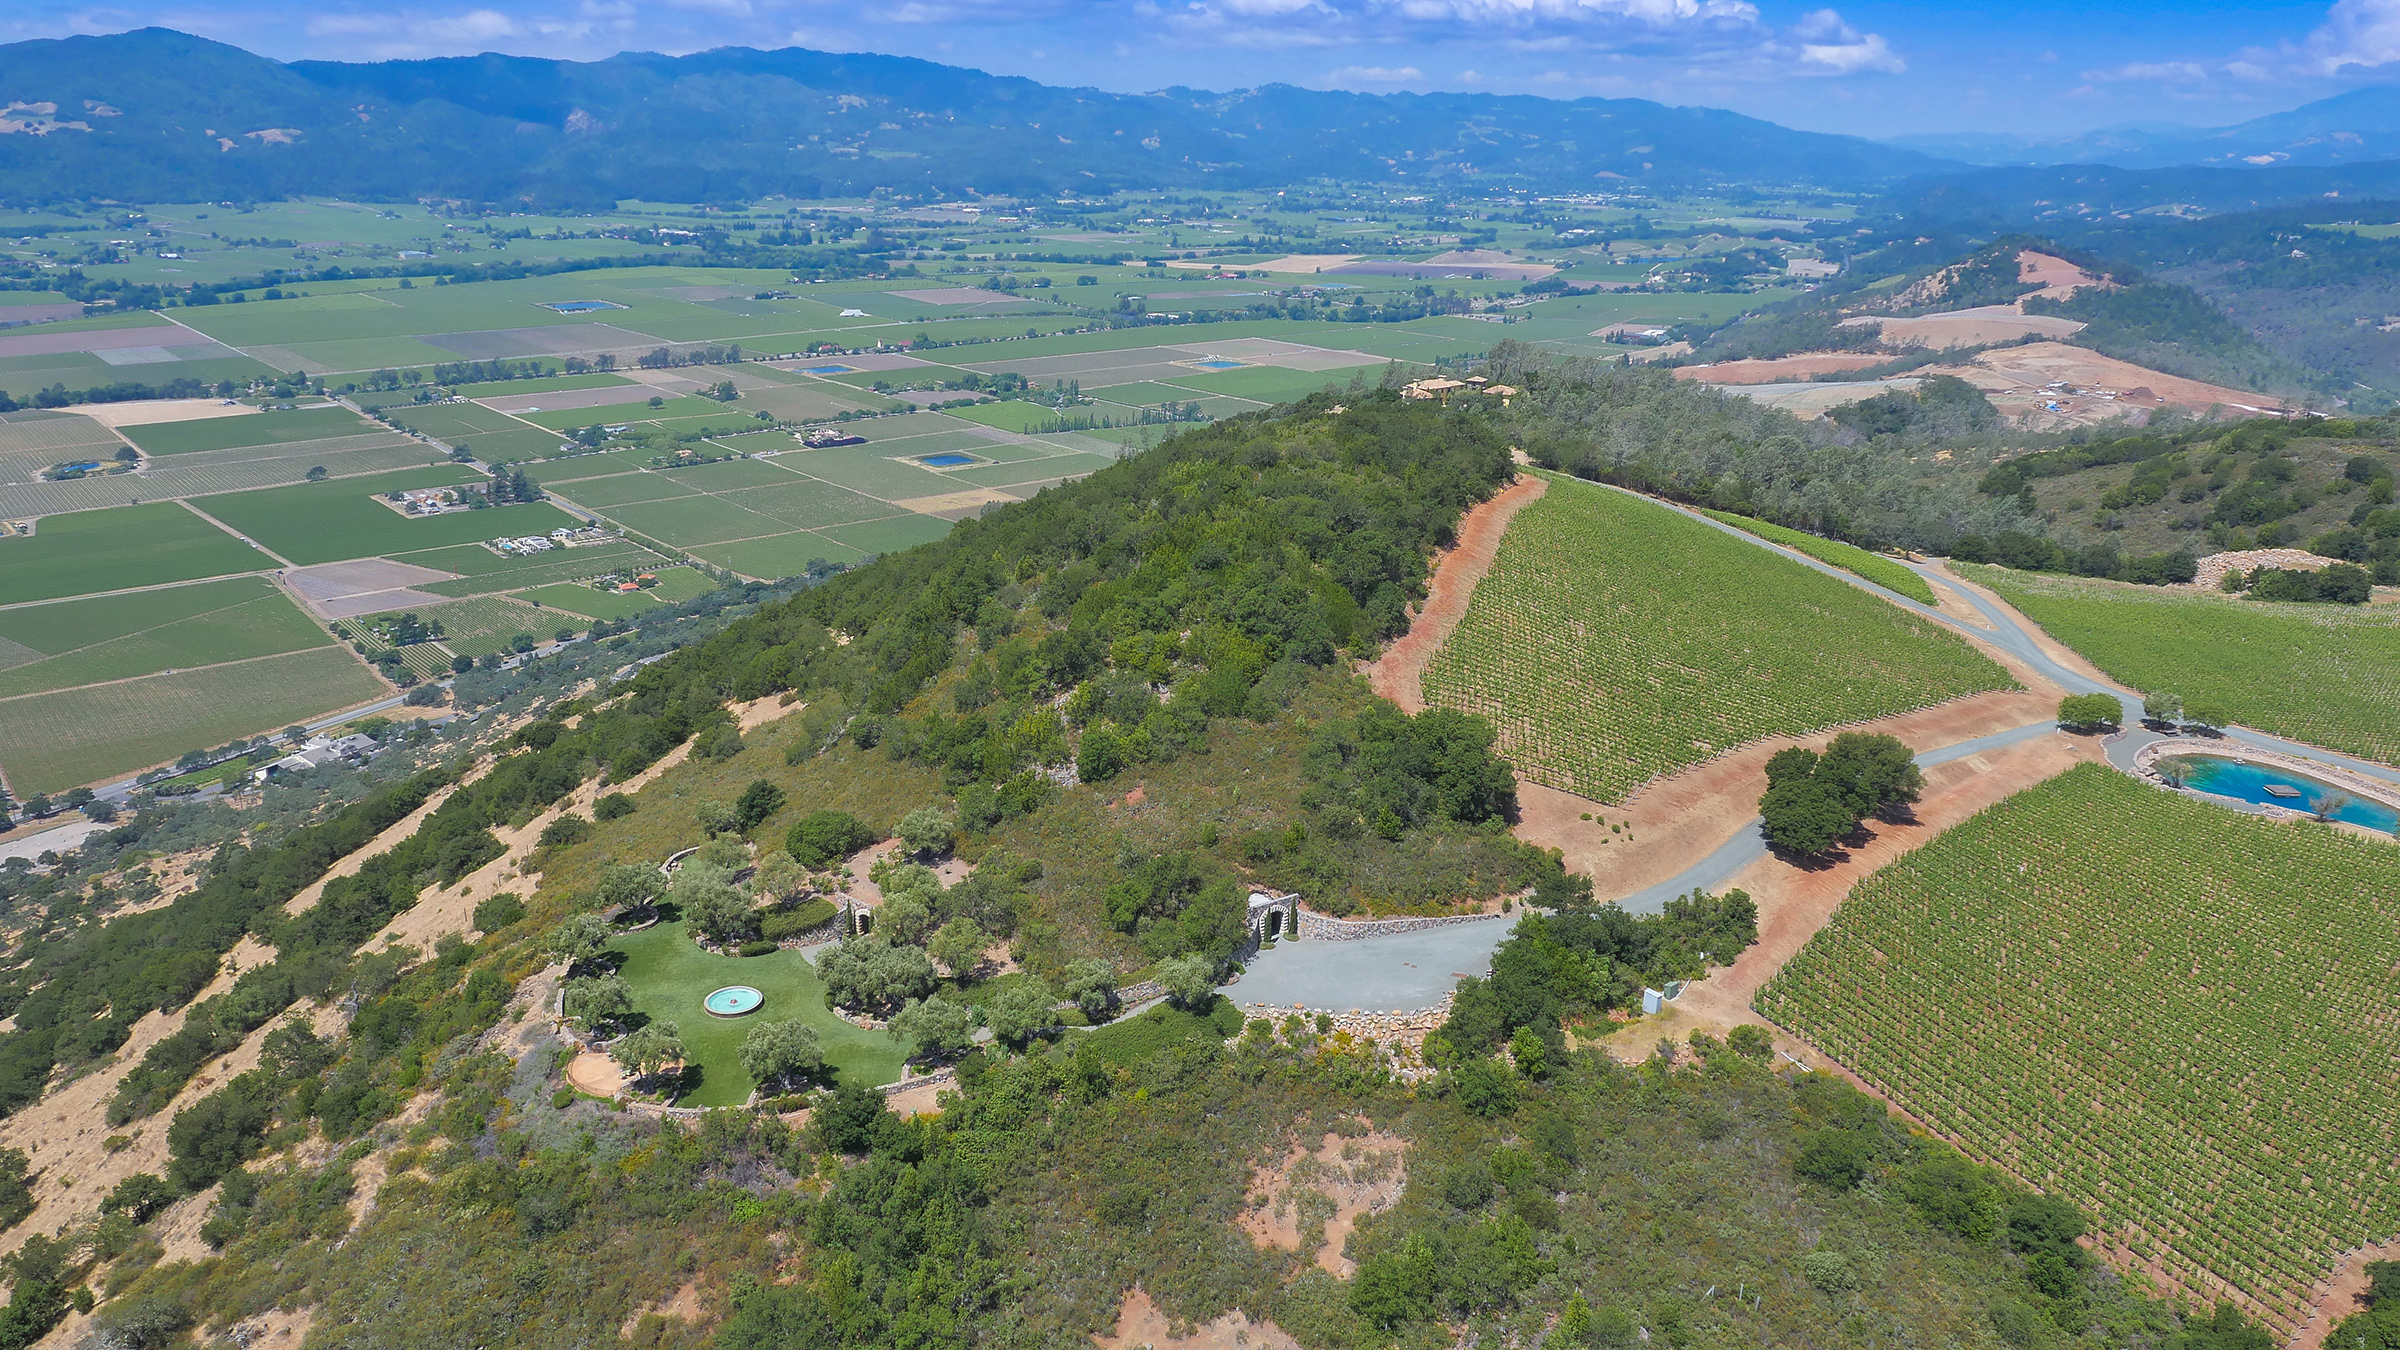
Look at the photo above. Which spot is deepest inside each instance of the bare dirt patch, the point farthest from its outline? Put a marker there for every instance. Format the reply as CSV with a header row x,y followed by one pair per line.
x,y
1399,673
2057,277
276,1330
348,589
1296,263
150,412
401,829
1801,366
1677,821
1330,1185
1141,1326
2212,569
1970,327
2095,388
2340,1294
685,1305
595,1074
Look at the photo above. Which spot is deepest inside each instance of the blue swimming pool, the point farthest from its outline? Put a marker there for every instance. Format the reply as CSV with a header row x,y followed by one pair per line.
x,y
2250,783
87,464
1218,365
946,461
828,370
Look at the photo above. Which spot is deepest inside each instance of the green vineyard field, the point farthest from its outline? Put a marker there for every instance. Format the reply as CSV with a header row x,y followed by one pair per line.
x,y
1834,553
2325,674
2177,1016
1615,640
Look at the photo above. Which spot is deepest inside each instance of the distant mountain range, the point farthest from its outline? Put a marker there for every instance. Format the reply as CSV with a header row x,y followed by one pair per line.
x,y
157,115
2357,127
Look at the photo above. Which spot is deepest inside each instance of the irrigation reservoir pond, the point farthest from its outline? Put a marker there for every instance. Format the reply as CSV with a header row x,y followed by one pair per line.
x,y
2258,785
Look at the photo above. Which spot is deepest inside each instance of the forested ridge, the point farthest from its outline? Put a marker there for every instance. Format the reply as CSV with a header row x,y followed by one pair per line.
x,y
1177,620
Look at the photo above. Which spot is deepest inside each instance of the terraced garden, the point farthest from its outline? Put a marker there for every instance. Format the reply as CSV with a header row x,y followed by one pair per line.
x,y
2325,674
2174,1015
1615,640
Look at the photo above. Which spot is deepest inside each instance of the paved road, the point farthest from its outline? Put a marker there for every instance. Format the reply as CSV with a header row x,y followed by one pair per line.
x,y
1414,970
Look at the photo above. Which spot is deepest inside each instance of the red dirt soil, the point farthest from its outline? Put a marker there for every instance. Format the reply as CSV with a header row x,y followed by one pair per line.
x,y
1399,674
1141,1326
2341,1294
1804,365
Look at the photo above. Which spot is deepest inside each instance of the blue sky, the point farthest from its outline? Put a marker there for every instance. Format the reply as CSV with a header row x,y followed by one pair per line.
x,y
1870,67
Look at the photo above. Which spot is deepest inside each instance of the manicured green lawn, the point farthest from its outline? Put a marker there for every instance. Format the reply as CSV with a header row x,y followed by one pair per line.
x,y
670,975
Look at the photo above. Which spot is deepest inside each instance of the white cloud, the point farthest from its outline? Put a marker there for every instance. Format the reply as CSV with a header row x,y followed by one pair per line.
x,y
1656,13
732,9
1869,52
2151,70
1348,76
2356,33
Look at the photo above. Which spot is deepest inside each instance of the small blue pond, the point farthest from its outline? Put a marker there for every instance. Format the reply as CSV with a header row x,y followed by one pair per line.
x,y
87,464
946,461
2249,783
733,1001
581,306
828,370
1218,365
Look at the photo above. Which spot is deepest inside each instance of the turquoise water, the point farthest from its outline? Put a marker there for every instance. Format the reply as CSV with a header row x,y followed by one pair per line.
x,y
733,1000
1218,365
2248,782
826,370
946,461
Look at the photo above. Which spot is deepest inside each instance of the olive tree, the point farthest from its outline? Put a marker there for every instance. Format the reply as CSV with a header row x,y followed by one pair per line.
x,y
873,975
776,1053
579,939
1189,980
599,1000
779,877
958,945
936,1026
1022,1012
1092,983
648,1049
629,885
927,831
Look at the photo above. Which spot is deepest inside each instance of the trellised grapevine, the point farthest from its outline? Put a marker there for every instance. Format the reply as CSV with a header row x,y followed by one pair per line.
x,y
1615,640
2182,1018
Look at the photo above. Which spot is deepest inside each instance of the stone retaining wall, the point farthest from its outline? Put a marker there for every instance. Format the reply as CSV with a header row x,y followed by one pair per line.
x,y
1326,928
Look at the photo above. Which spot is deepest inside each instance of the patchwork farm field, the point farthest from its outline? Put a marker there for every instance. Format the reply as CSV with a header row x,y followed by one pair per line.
x,y
313,523
2179,1017
57,740
2328,675
91,551
272,428
1615,640
144,632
